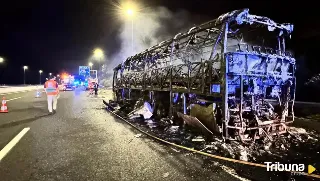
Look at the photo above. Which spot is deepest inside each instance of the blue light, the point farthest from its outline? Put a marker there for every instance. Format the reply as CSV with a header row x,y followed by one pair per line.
x,y
215,88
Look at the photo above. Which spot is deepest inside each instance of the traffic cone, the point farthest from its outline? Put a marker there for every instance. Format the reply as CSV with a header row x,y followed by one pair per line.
x,y
4,108
38,94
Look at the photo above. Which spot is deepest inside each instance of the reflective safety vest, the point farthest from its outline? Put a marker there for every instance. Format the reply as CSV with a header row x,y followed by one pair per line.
x,y
51,87
90,85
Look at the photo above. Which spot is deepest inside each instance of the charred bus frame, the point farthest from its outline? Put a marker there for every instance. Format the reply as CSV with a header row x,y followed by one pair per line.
x,y
238,78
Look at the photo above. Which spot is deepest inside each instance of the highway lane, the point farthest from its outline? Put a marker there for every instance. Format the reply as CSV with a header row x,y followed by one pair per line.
x,y
84,142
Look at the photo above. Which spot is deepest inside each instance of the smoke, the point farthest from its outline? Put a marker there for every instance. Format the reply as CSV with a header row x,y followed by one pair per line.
x,y
149,28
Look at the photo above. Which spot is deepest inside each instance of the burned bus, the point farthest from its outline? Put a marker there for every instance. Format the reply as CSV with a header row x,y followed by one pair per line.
x,y
221,77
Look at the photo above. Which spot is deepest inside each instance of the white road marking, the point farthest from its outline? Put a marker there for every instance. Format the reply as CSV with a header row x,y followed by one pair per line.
x,y
14,99
12,143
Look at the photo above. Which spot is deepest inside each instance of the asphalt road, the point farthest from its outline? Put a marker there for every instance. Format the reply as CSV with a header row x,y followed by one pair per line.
x,y
82,141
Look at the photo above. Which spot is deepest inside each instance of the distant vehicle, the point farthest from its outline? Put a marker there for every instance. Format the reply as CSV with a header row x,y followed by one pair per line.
x,y
91,81
68,82
68,87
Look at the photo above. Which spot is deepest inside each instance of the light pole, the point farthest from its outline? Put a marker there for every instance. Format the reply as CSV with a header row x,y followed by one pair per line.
x,y
98,53
24,74
40,72
50,75
90,65
2,62
58,78
130,13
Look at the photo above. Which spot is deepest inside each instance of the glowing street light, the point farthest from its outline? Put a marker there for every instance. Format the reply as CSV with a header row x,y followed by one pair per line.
x,y
129,12
40,72
98,53
90,64
24,74
1,62
50,74
129,8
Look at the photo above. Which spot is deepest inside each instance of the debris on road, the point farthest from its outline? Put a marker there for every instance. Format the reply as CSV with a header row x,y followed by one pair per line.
x,y
166,121
175,150
198,139
172,129
138,135
151,123
233,173
296,146
165,175
145,110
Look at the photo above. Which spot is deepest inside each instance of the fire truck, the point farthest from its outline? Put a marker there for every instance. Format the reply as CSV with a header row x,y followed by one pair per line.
x,y
92,79
67,82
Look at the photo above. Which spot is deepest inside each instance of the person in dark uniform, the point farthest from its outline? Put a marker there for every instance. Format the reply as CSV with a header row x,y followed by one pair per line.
x,y
96,86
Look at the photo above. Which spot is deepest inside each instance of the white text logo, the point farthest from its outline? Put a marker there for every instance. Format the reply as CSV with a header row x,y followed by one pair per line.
x,y
285,167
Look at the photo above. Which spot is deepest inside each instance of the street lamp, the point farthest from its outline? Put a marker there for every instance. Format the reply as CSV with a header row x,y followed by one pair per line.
x,y
24,74
40,72
98,53
50,74
58,78
1,62
130,13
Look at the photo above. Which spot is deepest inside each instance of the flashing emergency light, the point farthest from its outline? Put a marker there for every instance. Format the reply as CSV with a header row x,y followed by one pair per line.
x,y
64,76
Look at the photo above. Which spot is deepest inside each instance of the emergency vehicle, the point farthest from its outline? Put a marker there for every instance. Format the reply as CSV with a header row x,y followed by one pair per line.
x,y
67,82
91,82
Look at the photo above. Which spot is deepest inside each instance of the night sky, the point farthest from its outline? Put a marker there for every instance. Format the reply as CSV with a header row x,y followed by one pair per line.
x,y
61,34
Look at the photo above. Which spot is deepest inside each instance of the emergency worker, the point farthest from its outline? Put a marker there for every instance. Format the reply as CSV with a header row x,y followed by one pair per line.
x,y
52,91
91,87
96,86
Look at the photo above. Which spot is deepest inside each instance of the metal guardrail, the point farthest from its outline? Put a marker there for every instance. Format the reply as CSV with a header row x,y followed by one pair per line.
x,y
11,89
17,85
